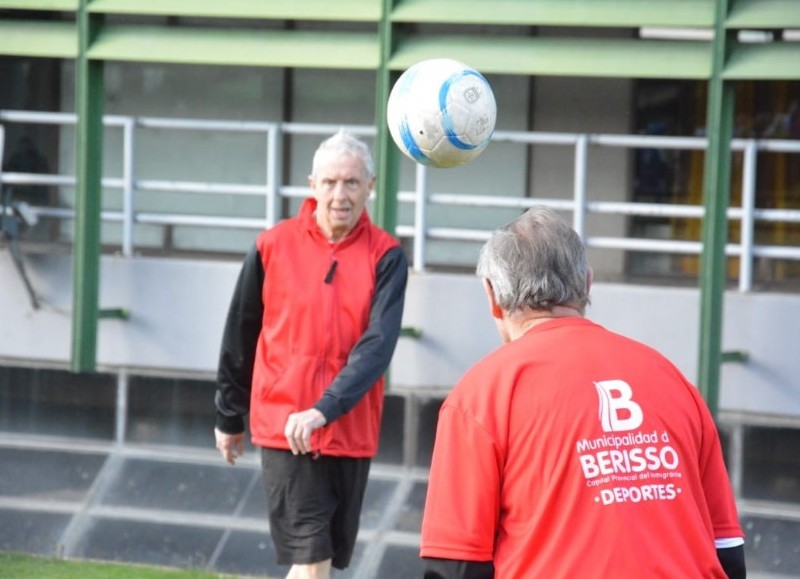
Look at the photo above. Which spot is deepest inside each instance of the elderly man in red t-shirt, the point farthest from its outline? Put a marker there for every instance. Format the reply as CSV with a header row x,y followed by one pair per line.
x,y
572,451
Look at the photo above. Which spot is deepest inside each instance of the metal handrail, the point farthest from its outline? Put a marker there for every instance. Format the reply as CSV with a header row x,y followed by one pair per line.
x,y
422,199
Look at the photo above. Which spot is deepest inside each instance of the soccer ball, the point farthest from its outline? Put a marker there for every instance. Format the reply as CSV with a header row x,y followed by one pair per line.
x,y
441,113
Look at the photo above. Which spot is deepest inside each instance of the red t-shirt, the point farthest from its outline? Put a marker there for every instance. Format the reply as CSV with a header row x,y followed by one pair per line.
x,y
577,452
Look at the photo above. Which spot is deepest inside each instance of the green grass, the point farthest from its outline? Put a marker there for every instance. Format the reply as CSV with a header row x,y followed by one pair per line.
x,y
16,566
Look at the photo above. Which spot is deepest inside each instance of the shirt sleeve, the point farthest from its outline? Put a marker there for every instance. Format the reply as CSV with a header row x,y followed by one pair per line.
x,y
716,483
239,341
450,569
371,355
732,560
463,502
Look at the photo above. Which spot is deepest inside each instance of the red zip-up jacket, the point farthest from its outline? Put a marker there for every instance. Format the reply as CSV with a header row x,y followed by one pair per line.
x,y
312,324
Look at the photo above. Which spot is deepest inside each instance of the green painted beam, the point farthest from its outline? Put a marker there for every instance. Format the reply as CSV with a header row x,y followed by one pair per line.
x,y
413,332
769,61
735,357
299,49
338,10
38,38
594,13
114,313
582,57
49,5
716,197
386,154
89,97
778,14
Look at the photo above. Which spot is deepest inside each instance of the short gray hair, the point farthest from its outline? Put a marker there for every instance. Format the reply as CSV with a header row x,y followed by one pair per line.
x,y
536,262
344,143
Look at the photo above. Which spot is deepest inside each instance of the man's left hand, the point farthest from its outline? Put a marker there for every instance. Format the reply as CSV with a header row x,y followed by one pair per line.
x,y
298,429
230,445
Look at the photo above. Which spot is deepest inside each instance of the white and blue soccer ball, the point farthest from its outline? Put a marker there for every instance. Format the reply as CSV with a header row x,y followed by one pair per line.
x,y
441,113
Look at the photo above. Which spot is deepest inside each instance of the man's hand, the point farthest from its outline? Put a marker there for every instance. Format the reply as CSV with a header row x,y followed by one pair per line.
x,y
298,429
230,445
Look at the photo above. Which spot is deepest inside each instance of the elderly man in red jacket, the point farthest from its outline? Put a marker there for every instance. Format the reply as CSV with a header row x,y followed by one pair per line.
x,y
311,329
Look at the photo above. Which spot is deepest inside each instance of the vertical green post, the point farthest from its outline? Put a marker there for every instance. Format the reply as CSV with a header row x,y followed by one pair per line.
x,y
716,193
387,157
88,195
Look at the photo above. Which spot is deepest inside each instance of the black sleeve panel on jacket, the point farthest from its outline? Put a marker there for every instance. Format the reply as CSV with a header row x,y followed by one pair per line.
x,y
371,355
732,560
452,569
238,351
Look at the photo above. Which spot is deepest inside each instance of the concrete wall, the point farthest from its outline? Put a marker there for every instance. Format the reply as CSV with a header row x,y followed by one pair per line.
x,y
178,308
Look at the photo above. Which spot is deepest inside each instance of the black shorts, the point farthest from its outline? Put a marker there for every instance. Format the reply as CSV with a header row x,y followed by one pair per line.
x,y
314,505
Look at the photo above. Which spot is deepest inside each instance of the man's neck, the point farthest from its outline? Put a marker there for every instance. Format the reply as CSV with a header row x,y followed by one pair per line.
x,y
519,324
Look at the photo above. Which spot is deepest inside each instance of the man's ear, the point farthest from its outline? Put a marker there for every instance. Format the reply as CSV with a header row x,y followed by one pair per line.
x,y
494,308
589,280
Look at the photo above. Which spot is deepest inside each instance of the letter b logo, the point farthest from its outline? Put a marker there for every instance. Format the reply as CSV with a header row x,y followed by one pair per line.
x,y
617,409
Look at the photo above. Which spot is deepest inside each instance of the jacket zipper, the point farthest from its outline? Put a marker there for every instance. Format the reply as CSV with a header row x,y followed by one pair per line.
x,y
328,280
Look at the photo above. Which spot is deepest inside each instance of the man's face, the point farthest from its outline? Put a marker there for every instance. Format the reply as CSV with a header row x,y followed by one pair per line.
x,y
341,187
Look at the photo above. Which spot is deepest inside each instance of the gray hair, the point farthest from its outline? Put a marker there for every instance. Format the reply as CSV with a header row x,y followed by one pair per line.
x,y
344,143
536,262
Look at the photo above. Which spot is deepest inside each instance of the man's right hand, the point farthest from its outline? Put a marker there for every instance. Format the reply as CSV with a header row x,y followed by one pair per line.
x,y
230,445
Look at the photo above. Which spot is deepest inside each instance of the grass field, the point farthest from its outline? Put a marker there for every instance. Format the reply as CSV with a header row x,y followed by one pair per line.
x,y
16,566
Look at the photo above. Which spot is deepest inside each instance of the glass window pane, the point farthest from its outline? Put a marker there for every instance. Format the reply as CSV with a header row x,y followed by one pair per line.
x,y
57,403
